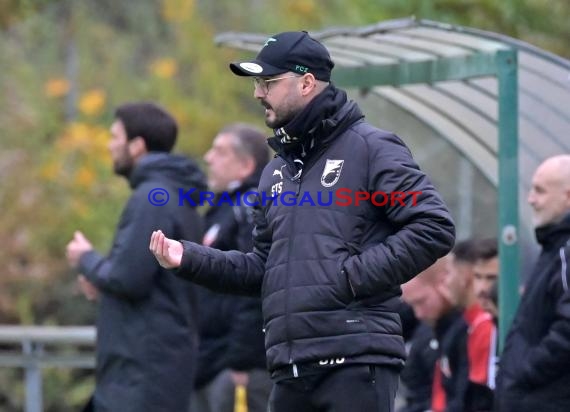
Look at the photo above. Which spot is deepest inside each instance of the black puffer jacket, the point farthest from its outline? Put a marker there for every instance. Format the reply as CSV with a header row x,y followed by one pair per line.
x,y
305,255
147,333
534,370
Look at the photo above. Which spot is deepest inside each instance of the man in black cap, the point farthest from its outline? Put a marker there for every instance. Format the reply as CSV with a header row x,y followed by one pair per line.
x,y
329,271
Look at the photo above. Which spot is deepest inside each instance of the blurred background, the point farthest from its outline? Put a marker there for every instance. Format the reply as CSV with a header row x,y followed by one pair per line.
x,y
65,66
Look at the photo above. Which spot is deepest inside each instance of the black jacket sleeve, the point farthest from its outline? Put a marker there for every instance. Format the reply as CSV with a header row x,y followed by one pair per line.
x,y
230,271
425,230
129,269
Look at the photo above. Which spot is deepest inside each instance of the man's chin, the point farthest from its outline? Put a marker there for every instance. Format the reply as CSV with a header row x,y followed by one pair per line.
x,y
270,120
537,222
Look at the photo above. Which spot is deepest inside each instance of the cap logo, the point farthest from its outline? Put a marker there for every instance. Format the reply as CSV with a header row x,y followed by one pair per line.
x,y
251,67
301,69
269,40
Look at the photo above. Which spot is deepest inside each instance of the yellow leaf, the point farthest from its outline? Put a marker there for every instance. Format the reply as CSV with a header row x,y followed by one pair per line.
x,y
301,7
84,137
92,102
56,87
164,68
177,10
76,136
51,171
84,177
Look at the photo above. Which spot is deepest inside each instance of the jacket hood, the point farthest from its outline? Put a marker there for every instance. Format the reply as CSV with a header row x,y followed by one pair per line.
x,y
335,125
177,170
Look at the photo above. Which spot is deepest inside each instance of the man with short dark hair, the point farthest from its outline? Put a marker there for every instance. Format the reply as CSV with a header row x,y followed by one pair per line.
x,y
329,274
146,327
486,274
481,332
534,371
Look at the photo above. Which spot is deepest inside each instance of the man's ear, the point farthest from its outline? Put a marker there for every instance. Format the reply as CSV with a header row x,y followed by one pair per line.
x,y
248,166
567,192
137,148
308,84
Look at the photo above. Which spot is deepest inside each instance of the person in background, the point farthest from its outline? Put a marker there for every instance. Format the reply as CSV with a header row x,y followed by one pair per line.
x,y
534,370
416,379
232,352
147,333
429,297
481,332
486,275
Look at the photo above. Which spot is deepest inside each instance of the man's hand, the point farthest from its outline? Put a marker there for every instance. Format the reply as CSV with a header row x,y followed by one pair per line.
x,y
239,378
88,289
168,252
76,248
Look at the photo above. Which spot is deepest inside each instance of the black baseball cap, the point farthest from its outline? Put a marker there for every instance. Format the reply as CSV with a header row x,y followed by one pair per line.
x,y
292,51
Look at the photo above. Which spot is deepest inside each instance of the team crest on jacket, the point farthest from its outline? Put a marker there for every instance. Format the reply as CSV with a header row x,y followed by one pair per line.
x,y
331,174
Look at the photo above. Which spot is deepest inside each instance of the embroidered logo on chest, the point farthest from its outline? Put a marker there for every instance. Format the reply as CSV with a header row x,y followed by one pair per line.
x,y
331,173
279,172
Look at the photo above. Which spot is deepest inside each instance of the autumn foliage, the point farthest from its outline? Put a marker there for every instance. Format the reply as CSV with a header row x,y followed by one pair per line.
x,y
65,65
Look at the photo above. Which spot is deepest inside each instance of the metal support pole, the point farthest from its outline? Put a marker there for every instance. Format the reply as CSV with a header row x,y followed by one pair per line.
x,y
33,376
465,196
508,190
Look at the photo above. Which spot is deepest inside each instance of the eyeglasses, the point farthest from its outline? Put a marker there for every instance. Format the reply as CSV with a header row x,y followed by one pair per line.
x,y
263,84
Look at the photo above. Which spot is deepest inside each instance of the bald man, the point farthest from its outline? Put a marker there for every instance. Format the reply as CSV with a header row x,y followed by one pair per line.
x,y
534,373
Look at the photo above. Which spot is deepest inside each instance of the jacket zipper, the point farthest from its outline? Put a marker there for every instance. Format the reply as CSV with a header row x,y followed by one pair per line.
x,y
288,287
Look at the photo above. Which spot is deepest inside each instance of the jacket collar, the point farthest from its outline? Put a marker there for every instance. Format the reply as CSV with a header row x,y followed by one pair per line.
x,y
322,120
554,235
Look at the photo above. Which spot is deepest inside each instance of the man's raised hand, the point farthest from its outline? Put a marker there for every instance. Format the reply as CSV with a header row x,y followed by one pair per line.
x,y
168,252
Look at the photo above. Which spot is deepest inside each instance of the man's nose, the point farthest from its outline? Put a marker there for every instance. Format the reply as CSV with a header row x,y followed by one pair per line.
x,y
258,93
531,199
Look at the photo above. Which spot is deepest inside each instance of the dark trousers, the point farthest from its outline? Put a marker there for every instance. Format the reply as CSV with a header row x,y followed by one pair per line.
x,y
351,388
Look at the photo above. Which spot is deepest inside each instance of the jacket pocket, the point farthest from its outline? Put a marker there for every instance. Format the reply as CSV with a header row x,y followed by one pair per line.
x,y
342,283
354,249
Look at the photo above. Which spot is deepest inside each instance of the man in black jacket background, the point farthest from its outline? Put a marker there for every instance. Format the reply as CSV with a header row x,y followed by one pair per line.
x,y
232,353
534,369
146,328
328,267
